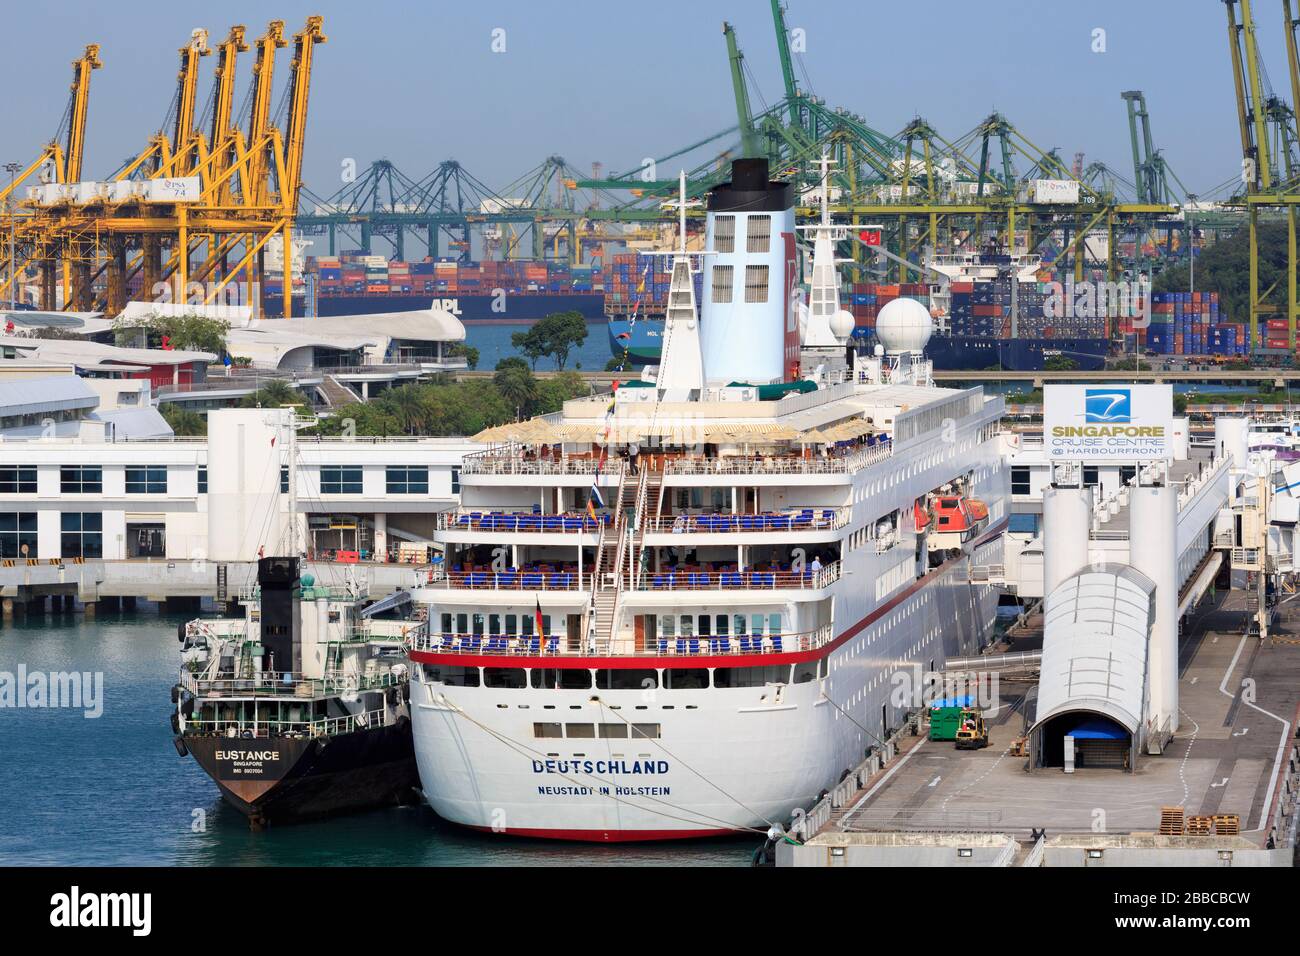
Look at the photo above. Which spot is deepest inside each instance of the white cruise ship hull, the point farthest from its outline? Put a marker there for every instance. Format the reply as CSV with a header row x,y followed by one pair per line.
x,y
725,759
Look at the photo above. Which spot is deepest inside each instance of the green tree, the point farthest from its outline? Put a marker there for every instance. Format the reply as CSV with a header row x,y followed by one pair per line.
x,y
188,332
1060,363
408,405
470,352
517,387
274,394
553,392
562,332
1224,267
532,343
511,361
183,421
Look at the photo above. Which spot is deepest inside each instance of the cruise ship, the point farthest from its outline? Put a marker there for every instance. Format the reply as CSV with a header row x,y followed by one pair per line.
x,y
689,607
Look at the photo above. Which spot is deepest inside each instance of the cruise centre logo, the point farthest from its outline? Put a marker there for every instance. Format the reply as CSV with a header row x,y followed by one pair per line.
x,y
1107,406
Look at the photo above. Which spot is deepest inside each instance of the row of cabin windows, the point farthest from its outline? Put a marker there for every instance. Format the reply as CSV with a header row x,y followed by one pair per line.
x,y
592,731
758,234
722,625
634,678
515,625
398,479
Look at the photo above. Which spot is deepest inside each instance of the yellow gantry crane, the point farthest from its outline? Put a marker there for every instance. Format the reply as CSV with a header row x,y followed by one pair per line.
x,y
196,207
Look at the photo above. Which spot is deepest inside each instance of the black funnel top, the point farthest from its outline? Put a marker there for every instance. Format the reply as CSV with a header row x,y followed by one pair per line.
x,y
750,190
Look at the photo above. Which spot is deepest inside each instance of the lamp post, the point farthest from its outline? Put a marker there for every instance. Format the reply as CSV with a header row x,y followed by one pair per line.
x,y
11,169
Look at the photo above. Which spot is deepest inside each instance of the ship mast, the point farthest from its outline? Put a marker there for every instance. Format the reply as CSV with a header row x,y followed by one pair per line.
x,y
824,292
681,369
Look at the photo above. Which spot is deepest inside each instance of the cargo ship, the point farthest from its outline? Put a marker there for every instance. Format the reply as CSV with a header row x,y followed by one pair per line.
x,y
299,709
688,649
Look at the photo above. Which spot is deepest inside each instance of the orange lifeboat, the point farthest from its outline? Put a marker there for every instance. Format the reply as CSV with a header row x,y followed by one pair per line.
x,y
956,520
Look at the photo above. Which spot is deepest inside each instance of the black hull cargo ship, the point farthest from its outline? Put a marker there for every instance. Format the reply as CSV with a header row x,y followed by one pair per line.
x,y
299,709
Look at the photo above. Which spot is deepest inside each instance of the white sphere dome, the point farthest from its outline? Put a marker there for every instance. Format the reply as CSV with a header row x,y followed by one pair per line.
x,y
842,324
904,325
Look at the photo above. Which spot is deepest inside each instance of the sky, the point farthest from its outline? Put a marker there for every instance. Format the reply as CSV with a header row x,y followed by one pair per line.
x,y
619,81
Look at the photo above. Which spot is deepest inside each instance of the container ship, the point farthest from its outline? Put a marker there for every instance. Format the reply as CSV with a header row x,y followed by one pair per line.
x,y
489,292
715,575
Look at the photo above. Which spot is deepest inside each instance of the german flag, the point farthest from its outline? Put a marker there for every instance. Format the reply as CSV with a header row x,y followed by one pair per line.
x,y
537,619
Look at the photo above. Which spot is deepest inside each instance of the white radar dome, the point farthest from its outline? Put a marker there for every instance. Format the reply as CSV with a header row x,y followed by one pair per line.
x,y
842,323
904,325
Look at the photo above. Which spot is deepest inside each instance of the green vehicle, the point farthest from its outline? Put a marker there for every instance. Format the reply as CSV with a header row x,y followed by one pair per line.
x,y
946,717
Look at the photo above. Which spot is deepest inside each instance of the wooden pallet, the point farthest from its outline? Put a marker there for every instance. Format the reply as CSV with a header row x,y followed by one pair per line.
x,y
1171,821
1199,826
1227,824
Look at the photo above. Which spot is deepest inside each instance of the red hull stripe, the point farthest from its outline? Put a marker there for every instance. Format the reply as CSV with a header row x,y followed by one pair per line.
x,y
651,662
607,836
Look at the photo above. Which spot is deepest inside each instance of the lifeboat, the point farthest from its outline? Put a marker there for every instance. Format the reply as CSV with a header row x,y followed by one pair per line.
x,y
957,519
920,515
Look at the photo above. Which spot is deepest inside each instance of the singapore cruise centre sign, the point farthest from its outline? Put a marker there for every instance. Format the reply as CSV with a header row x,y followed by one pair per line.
x,y
1108,422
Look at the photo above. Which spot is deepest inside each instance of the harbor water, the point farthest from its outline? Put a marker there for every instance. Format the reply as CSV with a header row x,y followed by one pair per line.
x,y
112,791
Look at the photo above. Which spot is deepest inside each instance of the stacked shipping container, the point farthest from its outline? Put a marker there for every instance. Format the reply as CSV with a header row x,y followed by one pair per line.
x,y
1188,323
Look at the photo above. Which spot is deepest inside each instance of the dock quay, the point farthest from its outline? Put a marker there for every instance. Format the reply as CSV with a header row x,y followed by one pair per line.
x,y
67,585
1234,765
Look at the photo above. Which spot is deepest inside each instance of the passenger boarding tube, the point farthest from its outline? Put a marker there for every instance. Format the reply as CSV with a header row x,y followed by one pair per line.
x,y
1153,550
1067,519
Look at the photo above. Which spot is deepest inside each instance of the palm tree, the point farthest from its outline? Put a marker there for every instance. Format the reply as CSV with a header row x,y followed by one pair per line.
x,y
518,387
274,394
408,405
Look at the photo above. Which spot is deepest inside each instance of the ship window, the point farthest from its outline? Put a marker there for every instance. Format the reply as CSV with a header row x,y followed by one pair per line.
x,y
455,480
1023,524
627,679
511,677
722,621
550,678
477,623
688,625
18,480
460,676
738,624
774,624
756,283
667,625
724,233
547,730
462,623
1020,481
646,731
584,731
705,628
613,731
750,676
803,673
686,678
756,625
512,625
723,277
758,234
494,623
340,480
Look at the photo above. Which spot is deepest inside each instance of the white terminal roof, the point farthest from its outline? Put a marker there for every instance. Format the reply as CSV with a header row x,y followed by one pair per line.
x,y
268,341
1096,629
98,355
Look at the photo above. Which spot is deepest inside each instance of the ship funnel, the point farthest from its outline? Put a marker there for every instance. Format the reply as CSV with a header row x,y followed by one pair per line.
x,y
748,316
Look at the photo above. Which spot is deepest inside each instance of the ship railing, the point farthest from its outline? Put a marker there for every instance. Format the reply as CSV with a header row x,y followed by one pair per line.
x,y
515,462
780,464
288,684
808,579
357,591
724,645
246,728
521,580
530,522
792,519
221,628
